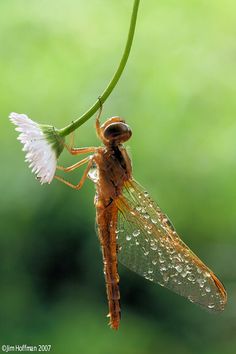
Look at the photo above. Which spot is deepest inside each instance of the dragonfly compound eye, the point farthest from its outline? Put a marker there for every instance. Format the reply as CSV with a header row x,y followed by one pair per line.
x,y
118,132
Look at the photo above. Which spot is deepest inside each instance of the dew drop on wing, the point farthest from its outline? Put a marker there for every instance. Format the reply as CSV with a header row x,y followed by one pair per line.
x,y
174,265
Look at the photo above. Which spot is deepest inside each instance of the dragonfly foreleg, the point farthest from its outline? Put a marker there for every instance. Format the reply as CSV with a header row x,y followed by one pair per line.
x,y
98,128
81,182
78,151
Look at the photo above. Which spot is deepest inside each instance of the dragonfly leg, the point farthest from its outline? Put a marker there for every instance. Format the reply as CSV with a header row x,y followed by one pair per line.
x,y
74,166
79,151
98,128
81,182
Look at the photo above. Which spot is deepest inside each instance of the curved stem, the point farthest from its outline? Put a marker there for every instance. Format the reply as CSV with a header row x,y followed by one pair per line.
x,y
81,120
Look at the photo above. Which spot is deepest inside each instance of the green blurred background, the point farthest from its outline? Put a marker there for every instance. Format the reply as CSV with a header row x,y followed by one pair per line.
x,y
178,95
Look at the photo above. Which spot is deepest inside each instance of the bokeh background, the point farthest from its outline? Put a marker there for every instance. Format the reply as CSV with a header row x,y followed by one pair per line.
x,y
178,95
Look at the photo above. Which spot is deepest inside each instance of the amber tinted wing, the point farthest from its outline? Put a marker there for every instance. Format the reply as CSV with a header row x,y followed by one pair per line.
x,y
149,245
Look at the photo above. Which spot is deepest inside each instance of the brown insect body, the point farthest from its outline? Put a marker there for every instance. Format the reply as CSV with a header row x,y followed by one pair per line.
x,y
128,219
114,168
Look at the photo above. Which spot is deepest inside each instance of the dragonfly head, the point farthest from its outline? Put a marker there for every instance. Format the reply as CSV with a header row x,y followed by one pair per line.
x,y
115,131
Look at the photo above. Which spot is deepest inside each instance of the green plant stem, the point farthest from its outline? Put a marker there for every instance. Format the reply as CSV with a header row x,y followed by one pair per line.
x,y
102,98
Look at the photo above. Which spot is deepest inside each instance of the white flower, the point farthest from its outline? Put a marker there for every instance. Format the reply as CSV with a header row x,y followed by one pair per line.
x,y
42,145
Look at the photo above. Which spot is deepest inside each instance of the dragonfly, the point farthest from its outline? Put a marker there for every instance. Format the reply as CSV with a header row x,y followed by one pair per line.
x,y
133,229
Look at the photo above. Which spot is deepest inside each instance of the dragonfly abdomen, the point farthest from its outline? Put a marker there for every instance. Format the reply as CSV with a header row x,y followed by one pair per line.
x,y
106,221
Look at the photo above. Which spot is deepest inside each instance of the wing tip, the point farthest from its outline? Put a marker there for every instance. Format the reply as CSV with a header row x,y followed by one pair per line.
x,y
221,289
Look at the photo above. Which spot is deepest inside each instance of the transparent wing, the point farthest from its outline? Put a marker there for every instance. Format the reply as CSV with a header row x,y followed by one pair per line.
x,y
149,245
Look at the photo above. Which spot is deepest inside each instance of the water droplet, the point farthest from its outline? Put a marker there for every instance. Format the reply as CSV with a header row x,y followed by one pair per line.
x,y
93,174
136,233
145,194
208,289
153,245
162,243
174,275
190,298
179,268
199,270
150,271
211,306
181,257
137,243
165,277
128,237
146,253
184,273
201,282
178,258
154,221
191,277
163,268
154,262
206,275
161,259
138,208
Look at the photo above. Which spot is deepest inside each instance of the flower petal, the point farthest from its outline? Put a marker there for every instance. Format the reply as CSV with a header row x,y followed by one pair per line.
x,y
40,153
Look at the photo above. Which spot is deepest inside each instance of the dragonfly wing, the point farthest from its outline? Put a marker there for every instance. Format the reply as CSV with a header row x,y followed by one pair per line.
x,y
149,245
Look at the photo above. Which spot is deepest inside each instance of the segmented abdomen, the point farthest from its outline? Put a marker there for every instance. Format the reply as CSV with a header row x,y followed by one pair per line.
x,y
106,221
